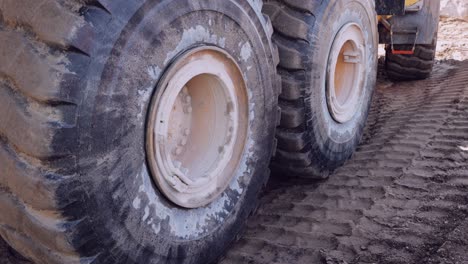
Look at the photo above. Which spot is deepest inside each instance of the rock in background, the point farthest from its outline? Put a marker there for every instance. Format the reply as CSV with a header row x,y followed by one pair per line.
x,y
454,8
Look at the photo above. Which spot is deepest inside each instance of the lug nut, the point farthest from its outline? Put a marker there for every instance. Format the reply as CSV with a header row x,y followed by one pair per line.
x,y
178,151
188,110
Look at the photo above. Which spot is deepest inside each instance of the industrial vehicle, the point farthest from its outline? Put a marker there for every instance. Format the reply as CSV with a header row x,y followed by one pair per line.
x,y
141,131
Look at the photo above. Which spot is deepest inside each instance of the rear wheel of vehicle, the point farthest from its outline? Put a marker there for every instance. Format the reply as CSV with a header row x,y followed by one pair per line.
x,y
410,67
133,131
328,62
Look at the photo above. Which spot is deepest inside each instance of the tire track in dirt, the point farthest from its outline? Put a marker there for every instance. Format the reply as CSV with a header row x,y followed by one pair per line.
x,y
453,249
398,200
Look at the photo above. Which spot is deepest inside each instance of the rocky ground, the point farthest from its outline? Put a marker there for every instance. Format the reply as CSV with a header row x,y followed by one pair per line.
x,y
453,39
402,198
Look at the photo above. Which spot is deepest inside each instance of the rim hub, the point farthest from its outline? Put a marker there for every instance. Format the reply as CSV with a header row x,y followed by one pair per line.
x,y
197,127
345,73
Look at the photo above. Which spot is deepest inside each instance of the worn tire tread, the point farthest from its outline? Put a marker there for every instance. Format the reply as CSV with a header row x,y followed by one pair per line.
x,y
410,67
293,21
38,100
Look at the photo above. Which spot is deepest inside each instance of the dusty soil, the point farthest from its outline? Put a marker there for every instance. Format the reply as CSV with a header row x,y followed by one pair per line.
x,y
402,198
453,39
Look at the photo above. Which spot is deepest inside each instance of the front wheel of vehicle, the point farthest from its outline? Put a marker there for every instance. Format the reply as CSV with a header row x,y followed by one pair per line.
x,y
133,131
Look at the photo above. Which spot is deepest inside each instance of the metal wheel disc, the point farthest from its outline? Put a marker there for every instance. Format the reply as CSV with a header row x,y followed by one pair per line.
x,y
345,73
197,127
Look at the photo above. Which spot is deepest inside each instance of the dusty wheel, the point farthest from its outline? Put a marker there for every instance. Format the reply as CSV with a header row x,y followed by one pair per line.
x,y
328,62
410,67
197,127
133,131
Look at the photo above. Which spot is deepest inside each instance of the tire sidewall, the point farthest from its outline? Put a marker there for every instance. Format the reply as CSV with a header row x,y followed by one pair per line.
x,y
124,213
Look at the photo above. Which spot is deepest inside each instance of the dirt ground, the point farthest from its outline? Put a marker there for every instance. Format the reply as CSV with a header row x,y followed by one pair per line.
x,y
453,39
402,198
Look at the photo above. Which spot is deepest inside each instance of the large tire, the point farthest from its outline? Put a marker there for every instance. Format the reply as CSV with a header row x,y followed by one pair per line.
x,y
410,67
310,142
76,82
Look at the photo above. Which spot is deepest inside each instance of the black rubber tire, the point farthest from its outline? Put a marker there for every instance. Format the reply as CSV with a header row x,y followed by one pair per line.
x,y
410,67
76,79
310,142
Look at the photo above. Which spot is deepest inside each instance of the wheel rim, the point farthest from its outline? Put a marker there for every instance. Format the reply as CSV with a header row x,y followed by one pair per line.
x,y
345,73
197,127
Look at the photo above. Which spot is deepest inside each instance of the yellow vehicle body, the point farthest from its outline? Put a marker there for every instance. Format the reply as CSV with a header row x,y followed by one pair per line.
x,y
411,2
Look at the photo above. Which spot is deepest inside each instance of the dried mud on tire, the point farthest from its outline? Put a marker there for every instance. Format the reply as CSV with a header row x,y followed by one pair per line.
x,y
402,198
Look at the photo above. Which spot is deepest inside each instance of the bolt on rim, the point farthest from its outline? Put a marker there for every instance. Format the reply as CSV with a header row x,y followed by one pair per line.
x,y
345,73
197,127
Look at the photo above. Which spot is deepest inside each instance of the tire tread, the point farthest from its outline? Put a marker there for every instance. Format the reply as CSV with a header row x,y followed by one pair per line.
x,y
39,40
293,21
410,67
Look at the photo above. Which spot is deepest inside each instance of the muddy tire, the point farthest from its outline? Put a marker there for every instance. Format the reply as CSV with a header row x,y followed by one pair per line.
x,y
77,86
410,67
315,137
